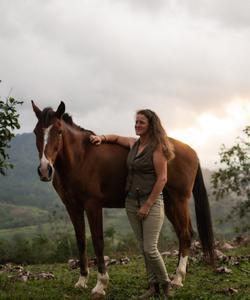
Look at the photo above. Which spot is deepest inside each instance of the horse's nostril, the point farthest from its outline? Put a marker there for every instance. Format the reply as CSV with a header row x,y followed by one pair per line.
x,y
50,171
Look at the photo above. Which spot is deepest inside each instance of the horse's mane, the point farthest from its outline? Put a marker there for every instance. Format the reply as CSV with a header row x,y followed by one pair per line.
x,y
48,114
68,119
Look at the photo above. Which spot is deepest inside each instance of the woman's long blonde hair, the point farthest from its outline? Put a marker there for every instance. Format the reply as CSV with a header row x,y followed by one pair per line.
x,y
157,133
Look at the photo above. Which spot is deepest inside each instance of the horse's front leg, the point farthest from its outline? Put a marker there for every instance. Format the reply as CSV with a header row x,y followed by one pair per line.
x,y
94,213
77,218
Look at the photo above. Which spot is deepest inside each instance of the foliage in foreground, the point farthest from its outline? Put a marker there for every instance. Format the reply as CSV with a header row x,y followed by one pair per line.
x,y
202,282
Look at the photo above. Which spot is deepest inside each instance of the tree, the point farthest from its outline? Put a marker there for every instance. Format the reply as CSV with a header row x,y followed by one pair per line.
x,y
233,177
8,123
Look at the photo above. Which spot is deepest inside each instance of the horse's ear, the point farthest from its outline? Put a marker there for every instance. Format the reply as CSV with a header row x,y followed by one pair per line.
x,y
60,110
36,110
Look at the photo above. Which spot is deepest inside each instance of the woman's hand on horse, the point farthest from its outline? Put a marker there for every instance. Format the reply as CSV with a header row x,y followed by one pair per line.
x,y
95,139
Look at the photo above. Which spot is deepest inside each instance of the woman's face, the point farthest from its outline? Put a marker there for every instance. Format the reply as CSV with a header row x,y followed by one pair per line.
x,y
141,125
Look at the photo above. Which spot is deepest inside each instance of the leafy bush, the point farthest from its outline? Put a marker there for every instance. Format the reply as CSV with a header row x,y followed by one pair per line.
x,y
8,122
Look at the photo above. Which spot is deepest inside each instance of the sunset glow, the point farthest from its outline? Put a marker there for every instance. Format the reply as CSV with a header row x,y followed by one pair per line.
x,y
211,128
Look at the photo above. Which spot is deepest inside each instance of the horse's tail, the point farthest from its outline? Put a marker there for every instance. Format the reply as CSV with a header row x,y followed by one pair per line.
x,y
203,216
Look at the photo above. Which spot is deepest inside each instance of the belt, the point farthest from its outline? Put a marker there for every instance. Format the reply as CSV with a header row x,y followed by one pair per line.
x,y
135,196
141,196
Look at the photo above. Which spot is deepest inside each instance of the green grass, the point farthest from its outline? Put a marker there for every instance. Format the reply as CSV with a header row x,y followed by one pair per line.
x,y
202,282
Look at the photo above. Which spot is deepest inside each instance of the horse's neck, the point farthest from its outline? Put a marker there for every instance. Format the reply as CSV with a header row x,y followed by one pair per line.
x,y
73,147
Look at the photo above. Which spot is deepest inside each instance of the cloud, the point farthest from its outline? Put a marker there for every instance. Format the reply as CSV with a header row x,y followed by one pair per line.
x,y
106,59
228,13
210,129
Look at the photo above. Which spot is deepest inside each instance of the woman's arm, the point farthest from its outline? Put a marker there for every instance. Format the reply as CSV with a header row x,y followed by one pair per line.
x,y
127,142
160,165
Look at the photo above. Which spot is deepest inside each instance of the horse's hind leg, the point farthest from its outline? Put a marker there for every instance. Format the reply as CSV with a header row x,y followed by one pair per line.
x,y
94,213
77,218
177,211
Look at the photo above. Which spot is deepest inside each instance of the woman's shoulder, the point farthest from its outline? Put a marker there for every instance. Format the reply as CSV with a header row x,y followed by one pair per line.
x,y
133,142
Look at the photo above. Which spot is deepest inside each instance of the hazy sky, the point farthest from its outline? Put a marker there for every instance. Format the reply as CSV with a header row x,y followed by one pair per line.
x,y
186,59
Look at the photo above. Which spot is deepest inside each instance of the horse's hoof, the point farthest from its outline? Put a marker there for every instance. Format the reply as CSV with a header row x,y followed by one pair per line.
x,y
97,295
176,285
82,282
79,285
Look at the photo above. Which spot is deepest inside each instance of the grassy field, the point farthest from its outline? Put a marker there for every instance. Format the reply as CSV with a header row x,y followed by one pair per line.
x,y
126,281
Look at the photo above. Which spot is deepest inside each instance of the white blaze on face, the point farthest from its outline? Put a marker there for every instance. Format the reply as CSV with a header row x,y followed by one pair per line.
x,y
44,160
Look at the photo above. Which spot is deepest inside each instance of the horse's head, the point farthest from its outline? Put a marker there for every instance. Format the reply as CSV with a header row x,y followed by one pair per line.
x,y
48,133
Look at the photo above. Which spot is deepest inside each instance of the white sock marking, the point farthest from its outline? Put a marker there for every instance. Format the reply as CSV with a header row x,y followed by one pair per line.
x,y
183,264
82,282
102,283
180,272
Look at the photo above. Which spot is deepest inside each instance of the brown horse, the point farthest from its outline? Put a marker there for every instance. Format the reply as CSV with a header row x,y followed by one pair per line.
x,y
88,178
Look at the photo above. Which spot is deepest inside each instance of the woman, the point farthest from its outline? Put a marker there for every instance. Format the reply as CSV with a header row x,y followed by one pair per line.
x,y
147,176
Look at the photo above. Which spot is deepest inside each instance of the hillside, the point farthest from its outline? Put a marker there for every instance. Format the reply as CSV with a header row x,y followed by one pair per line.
x,y
22,186
13,216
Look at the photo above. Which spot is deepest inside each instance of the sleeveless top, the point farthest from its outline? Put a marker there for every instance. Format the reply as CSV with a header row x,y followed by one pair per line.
x,y
141,172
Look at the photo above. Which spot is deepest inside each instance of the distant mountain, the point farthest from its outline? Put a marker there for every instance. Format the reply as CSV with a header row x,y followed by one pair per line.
x,y
22,185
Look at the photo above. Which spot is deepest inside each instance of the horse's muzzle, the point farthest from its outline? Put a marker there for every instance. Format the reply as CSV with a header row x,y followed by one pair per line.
x,y
45,173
